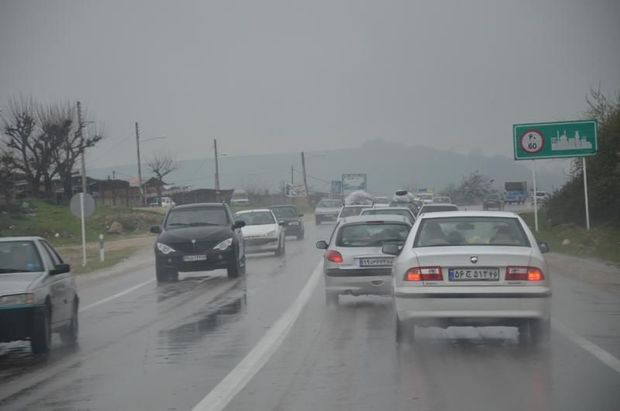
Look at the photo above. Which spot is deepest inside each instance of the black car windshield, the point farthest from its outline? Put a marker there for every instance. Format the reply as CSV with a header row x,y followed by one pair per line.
x,y
256,217
285,212
371,234
19,256
197,216
379,211
438,208
329,203
464,231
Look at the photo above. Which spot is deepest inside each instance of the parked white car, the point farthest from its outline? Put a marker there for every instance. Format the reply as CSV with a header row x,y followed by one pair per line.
x,y
38,296
481,268
262,231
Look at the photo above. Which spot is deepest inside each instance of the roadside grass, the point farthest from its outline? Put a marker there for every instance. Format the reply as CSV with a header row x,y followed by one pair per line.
x,y
93,262
602,242
60,227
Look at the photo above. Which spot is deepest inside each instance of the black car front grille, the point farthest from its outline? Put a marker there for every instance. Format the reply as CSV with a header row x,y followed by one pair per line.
x,y
198,246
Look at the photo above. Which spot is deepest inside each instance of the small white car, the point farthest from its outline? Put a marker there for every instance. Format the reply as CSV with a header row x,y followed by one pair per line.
x,y
354,262
481,268
262,231
327,210
401,211
379,202
38,295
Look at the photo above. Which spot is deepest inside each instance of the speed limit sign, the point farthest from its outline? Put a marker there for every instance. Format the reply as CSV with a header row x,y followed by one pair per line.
x,y
532,141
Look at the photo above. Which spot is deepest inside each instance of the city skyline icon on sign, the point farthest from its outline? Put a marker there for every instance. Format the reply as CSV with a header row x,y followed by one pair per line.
x,y
563,142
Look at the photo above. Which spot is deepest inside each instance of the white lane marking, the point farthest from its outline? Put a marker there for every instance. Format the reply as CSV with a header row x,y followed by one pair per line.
x,y
117,295
602,355
225,391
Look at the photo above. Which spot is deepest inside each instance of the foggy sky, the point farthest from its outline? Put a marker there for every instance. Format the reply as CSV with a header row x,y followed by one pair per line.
x,y
285,76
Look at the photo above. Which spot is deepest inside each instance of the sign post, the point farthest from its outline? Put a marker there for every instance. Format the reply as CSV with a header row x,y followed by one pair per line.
x,y
556,140
82,205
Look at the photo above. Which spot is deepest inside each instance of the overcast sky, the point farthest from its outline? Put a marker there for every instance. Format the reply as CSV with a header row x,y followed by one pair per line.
x,y
282,76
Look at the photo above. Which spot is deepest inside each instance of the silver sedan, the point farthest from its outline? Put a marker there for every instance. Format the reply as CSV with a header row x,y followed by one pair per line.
x,y
354,263
480,268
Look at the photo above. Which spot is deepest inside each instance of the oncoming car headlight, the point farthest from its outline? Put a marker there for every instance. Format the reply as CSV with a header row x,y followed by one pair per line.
x,y
164,248
17,299
224,244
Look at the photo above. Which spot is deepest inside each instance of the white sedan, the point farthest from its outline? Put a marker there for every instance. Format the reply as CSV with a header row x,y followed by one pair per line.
x,y
480,268
262,231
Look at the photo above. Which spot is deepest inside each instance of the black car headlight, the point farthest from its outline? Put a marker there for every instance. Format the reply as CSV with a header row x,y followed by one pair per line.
x,y
224,245
17,299
165,249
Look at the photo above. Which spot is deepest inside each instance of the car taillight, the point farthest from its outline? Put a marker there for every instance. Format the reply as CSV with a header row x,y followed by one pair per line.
x,y
524,274
424,274
334,256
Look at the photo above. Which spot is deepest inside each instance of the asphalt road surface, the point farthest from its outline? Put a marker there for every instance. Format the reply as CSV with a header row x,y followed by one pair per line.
x,y
268,342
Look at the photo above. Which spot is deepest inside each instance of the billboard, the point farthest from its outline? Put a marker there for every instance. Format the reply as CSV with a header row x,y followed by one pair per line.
x,y
354,182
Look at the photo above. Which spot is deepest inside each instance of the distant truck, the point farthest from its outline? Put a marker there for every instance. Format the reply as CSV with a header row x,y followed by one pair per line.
x,y
516,192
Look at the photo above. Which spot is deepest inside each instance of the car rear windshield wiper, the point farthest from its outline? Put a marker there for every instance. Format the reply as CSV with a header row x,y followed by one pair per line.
x,y
12,270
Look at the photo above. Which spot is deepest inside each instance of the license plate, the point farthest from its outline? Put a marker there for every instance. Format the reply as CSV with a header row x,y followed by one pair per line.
x,y
190,258
375,262
473,274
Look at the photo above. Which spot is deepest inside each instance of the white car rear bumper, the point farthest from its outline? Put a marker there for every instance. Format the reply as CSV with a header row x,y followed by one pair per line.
x,y
360,285
420,304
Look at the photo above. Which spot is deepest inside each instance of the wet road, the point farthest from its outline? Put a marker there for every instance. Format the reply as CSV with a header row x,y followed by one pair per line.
x,y
144,347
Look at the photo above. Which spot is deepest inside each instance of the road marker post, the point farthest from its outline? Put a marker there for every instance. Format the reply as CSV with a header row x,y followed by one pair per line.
x,y
101,248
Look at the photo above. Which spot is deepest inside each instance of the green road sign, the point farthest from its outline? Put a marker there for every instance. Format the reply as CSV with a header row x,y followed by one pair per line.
x,y
555,140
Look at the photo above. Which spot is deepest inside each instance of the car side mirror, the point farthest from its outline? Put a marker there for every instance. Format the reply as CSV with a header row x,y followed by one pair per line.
x,y
322,245
155,229
282,223
239,224
60,269
544,247
391,249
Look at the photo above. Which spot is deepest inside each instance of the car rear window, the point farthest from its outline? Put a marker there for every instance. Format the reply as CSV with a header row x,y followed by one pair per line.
x,y
18,257
438,208
329,203
371,234
463,231
256,218
285,212
403,213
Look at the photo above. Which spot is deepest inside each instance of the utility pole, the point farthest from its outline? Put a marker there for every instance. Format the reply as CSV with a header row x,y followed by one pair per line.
x,y
217,170
81,132
292,176
303,168
142,197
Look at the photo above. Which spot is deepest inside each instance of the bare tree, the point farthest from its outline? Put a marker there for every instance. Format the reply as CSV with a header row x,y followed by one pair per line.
x,y
161,165
7,175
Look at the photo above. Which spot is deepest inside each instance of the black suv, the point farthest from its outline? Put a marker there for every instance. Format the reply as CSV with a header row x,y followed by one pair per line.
x,y
198,237
293,221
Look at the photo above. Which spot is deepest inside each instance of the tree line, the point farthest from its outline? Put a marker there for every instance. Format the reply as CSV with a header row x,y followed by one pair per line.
x,y
42,143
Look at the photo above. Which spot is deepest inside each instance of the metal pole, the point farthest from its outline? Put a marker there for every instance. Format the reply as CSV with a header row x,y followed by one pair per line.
x,y
101,248
82,218
303,167
217,167
82,148
535,202
142,196
292,176
585,191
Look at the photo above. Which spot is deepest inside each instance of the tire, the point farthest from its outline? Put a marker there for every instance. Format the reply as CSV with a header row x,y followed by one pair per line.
x,y
166,274
41,338
300,235
242,266
234,269
405,333
281,250
331,298
540,332
317,220
69,335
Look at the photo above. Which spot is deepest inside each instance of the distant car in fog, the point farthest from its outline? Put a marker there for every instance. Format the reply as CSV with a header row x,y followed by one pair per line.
x,y
293,219
350,211
426,198
381,202
464,268
327,210
434,208
442,199
240,197
401,211
493,201
541,197
262,231
354,263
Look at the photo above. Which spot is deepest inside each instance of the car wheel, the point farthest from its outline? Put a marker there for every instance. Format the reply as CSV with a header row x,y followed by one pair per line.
x,y
41,338
317,220
331,298
234,268
300,236
242,265
166,274
540,331
69,335
280,250
404,332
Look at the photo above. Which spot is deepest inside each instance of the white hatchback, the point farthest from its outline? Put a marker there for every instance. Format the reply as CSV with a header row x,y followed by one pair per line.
x,y
480,268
